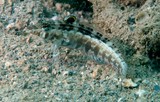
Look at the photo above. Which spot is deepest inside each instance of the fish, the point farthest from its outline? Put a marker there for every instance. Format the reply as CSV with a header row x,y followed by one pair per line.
x,y
85,39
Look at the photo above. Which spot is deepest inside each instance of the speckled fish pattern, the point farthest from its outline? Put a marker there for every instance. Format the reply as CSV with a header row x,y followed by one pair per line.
x,y
78,36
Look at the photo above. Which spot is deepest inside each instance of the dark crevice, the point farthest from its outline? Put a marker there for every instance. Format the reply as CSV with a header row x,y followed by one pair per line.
x,y
78,5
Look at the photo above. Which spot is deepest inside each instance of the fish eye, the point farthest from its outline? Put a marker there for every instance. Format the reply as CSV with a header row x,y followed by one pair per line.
x,y
70,19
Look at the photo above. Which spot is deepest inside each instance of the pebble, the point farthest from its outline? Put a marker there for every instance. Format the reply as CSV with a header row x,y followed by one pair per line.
x,y
58,7
128,83
45,69
8,64
54,18
29,39
10,26
69,73
140,92
95,72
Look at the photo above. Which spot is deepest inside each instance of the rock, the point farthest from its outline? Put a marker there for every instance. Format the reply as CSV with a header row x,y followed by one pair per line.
x,y
128,83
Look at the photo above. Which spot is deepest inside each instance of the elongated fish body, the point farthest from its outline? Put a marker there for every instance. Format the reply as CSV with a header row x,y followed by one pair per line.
x,y
85,39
